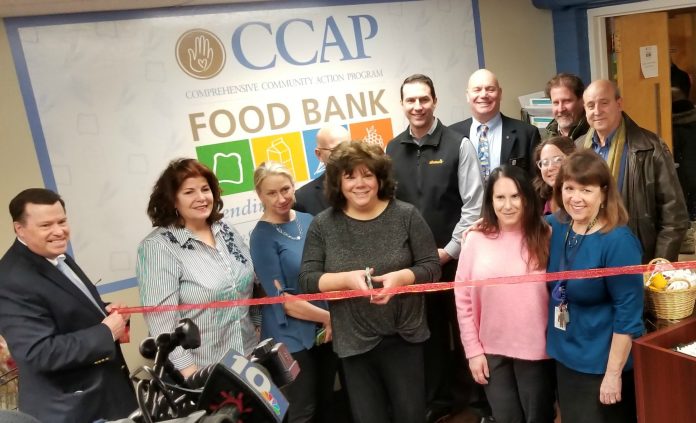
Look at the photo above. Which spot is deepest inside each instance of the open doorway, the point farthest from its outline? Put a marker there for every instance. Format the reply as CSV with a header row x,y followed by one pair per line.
x,y
621,37
600,40
681,27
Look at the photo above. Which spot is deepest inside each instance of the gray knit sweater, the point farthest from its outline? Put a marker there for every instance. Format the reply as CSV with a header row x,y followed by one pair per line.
x,y
397,239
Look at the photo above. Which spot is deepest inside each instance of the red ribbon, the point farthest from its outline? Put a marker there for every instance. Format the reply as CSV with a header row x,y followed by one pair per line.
x,y
421,287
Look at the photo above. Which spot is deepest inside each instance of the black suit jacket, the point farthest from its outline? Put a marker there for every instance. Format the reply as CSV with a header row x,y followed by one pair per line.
x,y
310,198
519,139
70,368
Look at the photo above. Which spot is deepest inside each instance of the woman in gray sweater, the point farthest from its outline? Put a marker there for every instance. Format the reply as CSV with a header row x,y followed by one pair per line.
x,y
369,237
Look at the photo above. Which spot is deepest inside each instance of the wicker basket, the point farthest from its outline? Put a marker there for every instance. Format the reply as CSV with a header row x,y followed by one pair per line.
x,y
8,390
669,305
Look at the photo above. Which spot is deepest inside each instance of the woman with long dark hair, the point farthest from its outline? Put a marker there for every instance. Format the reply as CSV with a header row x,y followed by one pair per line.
x,y
503,326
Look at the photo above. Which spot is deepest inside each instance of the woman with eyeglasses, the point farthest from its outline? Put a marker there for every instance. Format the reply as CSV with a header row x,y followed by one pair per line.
x,y
549,156
592,321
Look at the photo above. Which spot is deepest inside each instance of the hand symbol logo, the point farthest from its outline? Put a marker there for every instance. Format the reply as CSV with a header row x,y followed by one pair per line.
x,y
201,56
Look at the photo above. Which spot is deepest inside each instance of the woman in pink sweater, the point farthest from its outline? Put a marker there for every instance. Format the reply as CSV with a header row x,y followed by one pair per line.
x,y
503,326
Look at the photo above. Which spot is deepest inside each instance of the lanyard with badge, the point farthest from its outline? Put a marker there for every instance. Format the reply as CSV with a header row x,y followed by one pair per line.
x,y
561,316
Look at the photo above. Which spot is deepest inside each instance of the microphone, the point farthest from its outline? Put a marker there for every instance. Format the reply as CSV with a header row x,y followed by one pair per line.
x,y
242,382
234,388
148,349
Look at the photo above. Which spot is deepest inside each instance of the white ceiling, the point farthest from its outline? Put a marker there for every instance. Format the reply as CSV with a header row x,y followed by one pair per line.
x,y
51,7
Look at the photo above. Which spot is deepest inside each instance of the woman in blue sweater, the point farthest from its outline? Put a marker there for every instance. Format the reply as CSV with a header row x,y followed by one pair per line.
x,y
592,321
276,245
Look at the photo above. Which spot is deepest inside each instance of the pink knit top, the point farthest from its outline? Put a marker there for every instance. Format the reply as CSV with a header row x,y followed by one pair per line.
x,y
502,319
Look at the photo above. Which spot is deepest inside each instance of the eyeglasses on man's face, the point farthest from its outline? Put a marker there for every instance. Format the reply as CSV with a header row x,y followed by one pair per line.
x,y
553,161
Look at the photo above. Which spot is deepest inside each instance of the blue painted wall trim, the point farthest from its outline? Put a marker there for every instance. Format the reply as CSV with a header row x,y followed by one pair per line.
x,y
570,32
477,28
572,42
117,286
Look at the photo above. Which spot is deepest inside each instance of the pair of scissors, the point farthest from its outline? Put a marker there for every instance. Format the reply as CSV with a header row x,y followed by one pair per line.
x,y
368,280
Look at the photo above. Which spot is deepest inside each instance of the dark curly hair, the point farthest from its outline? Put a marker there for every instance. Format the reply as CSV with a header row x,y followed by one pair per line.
x,y
161,208
349,155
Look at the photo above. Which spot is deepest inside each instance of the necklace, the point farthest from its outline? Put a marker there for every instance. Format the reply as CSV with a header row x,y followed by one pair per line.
x,y
287,235
559,291
572,241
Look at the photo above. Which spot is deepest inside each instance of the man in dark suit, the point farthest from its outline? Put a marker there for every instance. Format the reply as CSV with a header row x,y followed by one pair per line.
x,y
507,140
310,198
60,333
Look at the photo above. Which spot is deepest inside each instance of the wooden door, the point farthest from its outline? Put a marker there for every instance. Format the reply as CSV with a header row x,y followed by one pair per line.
x,y
647,101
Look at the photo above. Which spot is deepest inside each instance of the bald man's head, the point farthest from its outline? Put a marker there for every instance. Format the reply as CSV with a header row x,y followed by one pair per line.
x,y
603,106
328,138
484,94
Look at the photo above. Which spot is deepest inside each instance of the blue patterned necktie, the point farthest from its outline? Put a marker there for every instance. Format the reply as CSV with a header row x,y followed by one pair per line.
x,y
70,274
484,152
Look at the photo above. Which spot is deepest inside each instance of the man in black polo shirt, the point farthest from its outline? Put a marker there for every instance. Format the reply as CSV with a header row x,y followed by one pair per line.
x,y
437,171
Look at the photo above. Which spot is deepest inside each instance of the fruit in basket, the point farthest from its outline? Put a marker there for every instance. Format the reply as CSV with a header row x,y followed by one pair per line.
x,y
684,275
658,282
677,285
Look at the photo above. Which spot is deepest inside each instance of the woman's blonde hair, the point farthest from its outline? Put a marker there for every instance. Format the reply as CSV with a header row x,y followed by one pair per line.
x,y
269,168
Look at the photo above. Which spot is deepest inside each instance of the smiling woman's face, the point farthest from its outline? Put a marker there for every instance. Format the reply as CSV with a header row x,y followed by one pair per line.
x,y
550,160
360,188
507,204
194,199
582,202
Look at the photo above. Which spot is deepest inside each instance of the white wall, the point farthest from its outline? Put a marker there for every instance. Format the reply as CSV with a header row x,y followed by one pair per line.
x,y
518,47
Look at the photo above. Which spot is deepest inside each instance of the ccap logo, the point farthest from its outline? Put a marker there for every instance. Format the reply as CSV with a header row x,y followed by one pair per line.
x,y
200,53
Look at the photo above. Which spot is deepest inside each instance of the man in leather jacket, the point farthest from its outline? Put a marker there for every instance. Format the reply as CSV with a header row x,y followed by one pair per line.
x,y
644,169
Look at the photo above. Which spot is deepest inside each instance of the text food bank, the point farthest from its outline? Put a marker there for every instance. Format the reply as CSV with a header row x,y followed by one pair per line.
x,y
223,123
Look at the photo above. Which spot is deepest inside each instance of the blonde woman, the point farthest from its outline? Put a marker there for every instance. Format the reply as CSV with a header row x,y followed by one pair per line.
x,y
276,244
